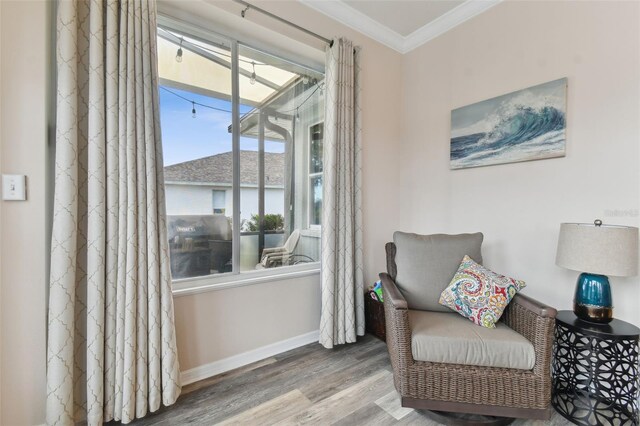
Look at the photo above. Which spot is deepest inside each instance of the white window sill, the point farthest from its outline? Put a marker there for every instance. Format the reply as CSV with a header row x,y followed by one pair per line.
x,y
188,286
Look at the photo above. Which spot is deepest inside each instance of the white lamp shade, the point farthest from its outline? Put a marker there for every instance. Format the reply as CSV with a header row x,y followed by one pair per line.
x,y
603,250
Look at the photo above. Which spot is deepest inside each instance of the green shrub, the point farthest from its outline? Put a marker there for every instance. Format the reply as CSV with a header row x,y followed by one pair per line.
x,y
272,222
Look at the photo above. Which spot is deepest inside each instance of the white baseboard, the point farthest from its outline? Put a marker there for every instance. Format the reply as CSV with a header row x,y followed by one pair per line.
x,y
217,367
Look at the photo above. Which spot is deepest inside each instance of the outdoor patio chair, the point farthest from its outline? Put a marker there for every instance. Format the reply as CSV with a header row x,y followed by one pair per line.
x,y
278,256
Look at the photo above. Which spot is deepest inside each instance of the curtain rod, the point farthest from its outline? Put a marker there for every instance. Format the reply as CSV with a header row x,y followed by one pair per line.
x,y
276,17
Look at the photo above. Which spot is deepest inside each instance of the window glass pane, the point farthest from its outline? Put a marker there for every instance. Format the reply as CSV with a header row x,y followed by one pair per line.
x,y
195,109
316,200
315,156
219,201
275,160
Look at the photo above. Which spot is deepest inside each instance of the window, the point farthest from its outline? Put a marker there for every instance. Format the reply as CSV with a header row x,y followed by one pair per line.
x,y
218,200
238,187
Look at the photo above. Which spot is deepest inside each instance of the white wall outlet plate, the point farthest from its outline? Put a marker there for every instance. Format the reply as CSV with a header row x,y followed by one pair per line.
x,y
14,187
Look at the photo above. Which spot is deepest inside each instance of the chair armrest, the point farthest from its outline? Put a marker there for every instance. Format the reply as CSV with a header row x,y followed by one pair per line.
x,y
391,291
535,321
398,332
534,306
270,259
273,250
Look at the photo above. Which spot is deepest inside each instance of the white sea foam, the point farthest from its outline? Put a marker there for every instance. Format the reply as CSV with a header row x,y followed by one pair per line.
x,y
549,145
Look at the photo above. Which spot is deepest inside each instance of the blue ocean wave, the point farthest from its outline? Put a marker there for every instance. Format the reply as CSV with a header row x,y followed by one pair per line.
x,y
532,129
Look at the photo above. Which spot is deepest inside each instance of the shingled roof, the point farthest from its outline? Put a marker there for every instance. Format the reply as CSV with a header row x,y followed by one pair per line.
x,y
218,169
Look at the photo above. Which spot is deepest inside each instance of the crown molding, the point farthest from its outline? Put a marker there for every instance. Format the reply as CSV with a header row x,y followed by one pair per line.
x,y
446,22
347,15
360,22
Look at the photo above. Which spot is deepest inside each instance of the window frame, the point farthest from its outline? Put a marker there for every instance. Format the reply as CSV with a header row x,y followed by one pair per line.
x,y
236,278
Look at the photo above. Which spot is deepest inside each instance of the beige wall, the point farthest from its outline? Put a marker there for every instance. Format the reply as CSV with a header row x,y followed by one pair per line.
x,y
24,53
214,325
219,324
519,206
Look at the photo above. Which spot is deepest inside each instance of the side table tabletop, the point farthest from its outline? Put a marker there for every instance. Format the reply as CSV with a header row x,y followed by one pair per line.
x,y
595,370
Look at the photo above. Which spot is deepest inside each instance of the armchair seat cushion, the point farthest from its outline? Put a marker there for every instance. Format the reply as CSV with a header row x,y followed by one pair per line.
x,y
446,337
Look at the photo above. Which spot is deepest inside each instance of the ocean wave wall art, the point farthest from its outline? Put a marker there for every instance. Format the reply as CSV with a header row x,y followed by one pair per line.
x,y
526,125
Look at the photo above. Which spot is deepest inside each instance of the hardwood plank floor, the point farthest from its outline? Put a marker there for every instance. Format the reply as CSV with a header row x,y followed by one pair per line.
x,y
348,385
271,412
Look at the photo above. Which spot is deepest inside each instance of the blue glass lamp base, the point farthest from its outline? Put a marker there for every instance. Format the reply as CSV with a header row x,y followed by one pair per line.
x,y
592,301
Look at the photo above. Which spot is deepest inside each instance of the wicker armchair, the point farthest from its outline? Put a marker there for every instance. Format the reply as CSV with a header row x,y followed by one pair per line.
x,y
470,389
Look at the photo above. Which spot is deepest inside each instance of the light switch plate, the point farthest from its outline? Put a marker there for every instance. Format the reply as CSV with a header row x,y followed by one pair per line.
x,y
14,187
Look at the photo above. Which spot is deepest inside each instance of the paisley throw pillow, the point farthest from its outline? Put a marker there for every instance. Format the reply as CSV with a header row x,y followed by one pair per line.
x,y
479,294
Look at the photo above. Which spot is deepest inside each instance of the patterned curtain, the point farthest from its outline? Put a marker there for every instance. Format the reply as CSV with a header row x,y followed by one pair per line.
x,y
342,317
111,336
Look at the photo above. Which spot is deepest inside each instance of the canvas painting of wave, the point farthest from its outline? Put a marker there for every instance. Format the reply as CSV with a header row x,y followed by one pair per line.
x,y
525,125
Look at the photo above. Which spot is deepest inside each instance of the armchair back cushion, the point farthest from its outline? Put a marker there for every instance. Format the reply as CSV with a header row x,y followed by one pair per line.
x,y
426,264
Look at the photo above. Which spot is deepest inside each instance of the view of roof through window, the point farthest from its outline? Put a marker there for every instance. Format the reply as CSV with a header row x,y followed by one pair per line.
x,y
281,106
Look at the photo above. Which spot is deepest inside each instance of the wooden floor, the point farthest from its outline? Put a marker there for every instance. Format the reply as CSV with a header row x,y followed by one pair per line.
x,y
349,385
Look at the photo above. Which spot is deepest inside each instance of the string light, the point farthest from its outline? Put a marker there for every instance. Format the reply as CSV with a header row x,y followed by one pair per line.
x,y
192,101
244,11
252,80
179,53
214,52
319,87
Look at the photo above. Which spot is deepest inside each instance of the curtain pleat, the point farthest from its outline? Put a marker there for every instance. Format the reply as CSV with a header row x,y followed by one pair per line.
x,y
342,315
111,338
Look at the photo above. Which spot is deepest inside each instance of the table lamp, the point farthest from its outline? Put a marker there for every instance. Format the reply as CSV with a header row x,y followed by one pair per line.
x,y
597,251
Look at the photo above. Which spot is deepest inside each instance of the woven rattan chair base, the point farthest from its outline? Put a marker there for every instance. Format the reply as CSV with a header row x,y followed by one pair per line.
x,y
499,412
461,419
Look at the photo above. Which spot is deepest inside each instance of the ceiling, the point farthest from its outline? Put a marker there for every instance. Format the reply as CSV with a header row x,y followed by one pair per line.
x,y
402,25
403,17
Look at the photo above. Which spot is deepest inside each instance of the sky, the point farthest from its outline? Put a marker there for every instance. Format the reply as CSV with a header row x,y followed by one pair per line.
x,y
185,138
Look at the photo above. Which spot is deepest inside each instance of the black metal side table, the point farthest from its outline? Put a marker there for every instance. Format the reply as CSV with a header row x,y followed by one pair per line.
x,y
595,371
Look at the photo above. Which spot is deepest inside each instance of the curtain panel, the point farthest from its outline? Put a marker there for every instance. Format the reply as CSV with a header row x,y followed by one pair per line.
x,y
342,314
111,335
